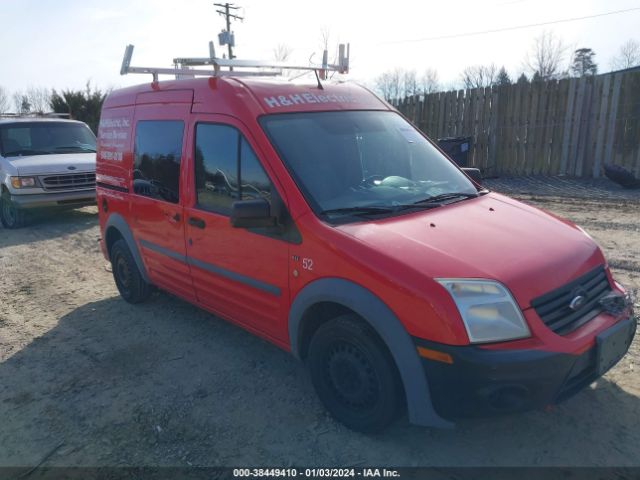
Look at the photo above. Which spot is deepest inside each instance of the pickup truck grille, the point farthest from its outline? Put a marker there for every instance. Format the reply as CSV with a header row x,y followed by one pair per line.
x,y
74,181
554,307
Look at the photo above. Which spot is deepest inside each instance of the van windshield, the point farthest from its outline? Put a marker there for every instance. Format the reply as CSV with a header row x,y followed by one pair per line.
x,y
45,138
363,163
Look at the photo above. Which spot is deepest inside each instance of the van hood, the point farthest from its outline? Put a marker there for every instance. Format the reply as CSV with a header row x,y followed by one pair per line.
x,y
530,251
54,163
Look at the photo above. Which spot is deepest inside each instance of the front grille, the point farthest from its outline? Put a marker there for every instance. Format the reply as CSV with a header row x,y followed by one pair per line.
x,y
75,181
554,307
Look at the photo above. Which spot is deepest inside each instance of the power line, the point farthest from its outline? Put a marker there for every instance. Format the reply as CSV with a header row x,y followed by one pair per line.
x,y
507,29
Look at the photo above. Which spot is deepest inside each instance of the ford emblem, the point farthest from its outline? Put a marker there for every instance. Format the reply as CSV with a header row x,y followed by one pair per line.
x,y
577,303
71,168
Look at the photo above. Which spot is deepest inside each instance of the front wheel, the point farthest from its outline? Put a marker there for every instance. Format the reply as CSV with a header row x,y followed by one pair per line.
x,y
354,375
131,285
10,215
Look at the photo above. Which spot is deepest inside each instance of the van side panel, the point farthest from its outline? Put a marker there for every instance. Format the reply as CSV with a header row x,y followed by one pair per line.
x,y
113,166
114,152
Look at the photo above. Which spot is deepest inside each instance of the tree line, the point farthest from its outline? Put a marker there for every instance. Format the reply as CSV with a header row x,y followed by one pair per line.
x,y
83,105
546,60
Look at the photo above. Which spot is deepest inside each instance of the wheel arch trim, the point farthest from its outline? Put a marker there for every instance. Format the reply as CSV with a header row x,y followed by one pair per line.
x,y
119,223
380,317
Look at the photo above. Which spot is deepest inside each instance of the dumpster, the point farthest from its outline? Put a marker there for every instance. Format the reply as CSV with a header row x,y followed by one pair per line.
x,y
457,148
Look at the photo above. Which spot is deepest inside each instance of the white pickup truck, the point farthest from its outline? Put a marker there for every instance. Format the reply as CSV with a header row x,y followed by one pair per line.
x,y
44,162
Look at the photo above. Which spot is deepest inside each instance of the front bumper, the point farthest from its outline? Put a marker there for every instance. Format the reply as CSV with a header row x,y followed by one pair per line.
x,y
482,382
62,199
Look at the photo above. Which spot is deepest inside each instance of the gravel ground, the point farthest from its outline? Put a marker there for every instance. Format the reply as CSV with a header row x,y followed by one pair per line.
x,y
87,379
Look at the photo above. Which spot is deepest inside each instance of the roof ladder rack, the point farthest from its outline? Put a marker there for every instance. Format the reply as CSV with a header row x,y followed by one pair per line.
x,y
183,66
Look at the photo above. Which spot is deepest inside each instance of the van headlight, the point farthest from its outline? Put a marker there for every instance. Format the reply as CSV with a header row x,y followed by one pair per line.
x,y
24,182
489,312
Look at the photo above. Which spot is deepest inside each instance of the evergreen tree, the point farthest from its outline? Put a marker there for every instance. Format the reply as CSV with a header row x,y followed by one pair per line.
x,y
80,105
503,77
583,62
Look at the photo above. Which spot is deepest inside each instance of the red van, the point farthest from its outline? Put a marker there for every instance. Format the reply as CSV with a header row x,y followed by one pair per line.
x,y
320,219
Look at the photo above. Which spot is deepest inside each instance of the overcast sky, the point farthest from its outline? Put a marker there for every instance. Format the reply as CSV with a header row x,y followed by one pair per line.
x,y
64,43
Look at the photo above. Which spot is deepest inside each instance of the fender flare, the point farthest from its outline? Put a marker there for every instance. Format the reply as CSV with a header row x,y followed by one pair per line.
x,y
116,221
388,327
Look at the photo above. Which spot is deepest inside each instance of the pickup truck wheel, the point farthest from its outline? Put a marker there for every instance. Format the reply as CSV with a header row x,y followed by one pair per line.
x,y
132,287
10,215
354,375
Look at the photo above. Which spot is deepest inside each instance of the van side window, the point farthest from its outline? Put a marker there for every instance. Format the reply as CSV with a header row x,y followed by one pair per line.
x,y
156,164
222,156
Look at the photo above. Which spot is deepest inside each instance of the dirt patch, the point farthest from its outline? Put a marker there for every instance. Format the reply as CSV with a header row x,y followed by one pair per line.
x,y
97,381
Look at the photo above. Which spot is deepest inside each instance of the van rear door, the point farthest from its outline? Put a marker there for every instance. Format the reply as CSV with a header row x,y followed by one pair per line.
x,y
160,124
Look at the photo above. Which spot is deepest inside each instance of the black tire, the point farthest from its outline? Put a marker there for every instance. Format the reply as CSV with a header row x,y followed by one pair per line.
x,y
354,375
10,215
132,287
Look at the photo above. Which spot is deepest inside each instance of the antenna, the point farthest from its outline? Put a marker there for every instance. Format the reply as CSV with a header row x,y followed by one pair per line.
x,y
182,66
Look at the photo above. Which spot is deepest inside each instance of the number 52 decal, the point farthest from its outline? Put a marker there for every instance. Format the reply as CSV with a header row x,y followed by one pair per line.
x,y
307,264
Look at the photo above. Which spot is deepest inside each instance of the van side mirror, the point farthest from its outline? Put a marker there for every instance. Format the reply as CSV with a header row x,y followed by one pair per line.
x,y
253,213
474,174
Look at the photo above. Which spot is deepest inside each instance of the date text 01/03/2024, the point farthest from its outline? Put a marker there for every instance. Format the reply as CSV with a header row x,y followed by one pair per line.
x,y
316,472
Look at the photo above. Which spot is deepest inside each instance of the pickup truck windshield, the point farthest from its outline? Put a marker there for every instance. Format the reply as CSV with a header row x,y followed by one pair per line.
x,y
45,138
363,163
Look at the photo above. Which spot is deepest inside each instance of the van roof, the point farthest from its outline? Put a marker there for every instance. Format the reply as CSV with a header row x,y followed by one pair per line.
x,y
33,119
258,95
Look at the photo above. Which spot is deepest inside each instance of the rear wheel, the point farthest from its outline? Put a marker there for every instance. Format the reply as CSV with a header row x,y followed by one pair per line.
x,y
354,374
131,285
10,215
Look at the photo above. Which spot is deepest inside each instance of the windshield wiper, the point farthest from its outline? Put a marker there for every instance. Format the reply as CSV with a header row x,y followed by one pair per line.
x,y
26,151
360,211
377,210
445,196
75,147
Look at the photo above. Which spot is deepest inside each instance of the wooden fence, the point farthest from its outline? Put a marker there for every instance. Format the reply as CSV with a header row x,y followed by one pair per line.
x,y
561,127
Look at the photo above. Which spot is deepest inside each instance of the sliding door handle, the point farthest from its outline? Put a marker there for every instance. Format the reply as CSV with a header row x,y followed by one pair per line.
x,y
196,222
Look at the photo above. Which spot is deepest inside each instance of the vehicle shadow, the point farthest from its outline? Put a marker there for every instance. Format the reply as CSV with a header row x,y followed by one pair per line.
x,y
50,224
164,383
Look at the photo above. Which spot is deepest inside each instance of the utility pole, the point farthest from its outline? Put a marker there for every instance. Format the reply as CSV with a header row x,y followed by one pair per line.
x,y
226,13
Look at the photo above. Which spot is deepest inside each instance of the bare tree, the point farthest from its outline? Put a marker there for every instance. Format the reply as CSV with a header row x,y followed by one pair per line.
x,y
327,44
429,81
399,83
39,99
282,52
389,84
21,103
325,36
546,56
628,56
4,100
331,46
410,84
479,76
